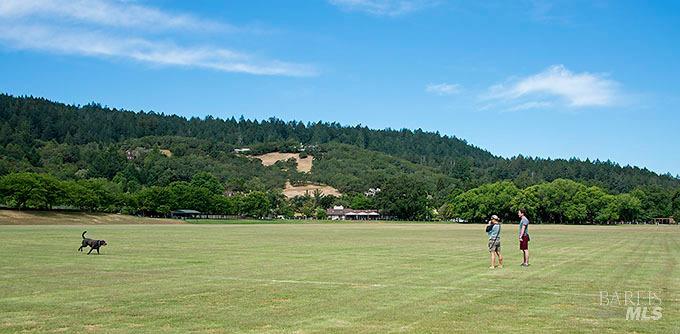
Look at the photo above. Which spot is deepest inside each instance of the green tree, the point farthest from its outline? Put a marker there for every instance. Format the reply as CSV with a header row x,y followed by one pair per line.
x,y
184,195
560,201
478,204
31,190
629,207
255,204
207,181
447,211
611,211
655,201
320,213
308,209
594,199
362,202
224,205
676,205
152,201
404,197
94,195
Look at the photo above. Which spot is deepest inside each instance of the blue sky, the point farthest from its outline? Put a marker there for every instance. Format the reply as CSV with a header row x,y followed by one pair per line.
x,y
586,79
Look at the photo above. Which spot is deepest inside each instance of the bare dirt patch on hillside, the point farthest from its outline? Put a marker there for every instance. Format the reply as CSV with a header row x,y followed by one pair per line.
x,y
291,191
303,165
16,217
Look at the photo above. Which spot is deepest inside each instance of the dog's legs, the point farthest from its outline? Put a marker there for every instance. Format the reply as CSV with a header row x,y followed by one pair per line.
x,y
91,249
80,249
97,251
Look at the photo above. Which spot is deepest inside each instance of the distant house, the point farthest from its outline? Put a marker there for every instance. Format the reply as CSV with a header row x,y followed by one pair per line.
x,y
372,192
340,213
241,150
184,214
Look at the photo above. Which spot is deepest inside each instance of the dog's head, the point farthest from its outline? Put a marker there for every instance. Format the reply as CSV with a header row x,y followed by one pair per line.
x,y
102,243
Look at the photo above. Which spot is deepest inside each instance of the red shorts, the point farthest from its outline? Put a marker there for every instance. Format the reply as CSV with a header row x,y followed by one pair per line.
x,y
524,243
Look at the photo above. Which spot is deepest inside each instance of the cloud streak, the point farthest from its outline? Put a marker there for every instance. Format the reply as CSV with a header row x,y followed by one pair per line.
x,y
106,29
383,7
443,89
106,13
557,86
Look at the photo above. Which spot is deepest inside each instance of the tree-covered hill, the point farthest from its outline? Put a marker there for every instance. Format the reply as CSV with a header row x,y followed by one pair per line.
x,y
95,158
40,135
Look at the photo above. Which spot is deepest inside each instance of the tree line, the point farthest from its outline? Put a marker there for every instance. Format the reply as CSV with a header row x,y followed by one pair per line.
x,y
405,197
203,193
563,201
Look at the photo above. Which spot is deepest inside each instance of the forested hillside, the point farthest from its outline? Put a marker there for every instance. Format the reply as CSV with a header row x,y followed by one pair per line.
x,y
137,152
28,123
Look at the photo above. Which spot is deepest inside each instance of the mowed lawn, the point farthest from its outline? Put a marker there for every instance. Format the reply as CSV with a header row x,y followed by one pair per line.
x,y
333,278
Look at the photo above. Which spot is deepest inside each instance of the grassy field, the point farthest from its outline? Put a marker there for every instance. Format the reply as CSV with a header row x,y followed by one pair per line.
x,y
344,278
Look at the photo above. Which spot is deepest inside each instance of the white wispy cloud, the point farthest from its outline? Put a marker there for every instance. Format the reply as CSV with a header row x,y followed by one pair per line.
x,y
114,29
530,105
86,43
443,89
557,86
109,13
384,7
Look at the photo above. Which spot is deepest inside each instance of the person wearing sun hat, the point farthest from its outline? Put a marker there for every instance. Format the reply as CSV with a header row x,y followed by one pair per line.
x,y
493,230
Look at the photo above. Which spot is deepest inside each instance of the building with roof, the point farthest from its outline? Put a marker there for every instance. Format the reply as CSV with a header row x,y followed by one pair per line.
x,y
184,214
341,213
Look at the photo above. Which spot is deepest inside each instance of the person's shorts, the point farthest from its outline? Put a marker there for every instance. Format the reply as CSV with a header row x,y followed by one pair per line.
x,y
524,243
494,245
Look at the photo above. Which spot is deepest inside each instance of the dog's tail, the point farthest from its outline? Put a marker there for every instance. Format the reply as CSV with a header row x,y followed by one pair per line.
x,y
84,234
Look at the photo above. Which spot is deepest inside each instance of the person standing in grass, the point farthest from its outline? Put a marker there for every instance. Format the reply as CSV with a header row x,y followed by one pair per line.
x,y
524,236
493,230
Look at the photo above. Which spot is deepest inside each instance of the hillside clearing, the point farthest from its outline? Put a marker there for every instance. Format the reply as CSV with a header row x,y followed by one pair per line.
x,y
303,165
291,191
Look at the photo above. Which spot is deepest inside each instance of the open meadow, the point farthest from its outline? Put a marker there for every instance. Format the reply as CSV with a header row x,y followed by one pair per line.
x,y
338,278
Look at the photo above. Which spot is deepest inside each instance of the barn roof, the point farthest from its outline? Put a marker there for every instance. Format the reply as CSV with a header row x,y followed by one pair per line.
x,y
194,212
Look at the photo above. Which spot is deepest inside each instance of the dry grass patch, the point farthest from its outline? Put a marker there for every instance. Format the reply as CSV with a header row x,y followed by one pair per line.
x,y
16,217
303,165
291,191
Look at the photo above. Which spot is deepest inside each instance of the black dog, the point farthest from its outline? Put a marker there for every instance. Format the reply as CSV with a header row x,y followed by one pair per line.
x,y
93,244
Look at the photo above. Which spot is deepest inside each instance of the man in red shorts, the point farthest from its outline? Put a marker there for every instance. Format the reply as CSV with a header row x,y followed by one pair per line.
x,y
524,236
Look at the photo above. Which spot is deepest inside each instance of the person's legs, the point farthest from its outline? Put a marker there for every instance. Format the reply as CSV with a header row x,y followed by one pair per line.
x,y
500,258
524,247
493,259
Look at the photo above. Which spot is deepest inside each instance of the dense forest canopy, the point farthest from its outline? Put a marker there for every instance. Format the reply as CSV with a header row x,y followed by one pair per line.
x,y
144,153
